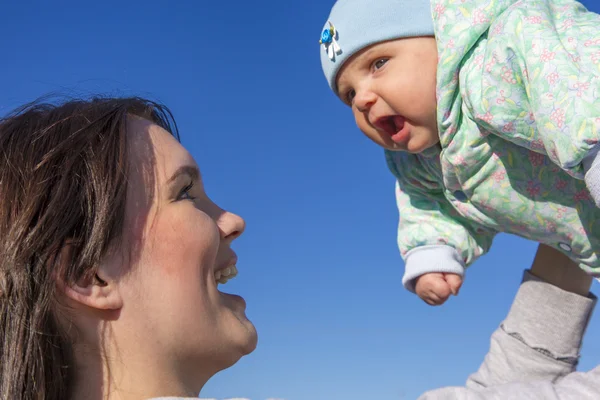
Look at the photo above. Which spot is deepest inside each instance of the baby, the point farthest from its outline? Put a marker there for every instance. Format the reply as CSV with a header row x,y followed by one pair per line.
x,y
489,114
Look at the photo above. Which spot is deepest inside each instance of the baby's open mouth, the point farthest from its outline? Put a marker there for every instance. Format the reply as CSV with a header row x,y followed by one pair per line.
x,y
393,125
390,124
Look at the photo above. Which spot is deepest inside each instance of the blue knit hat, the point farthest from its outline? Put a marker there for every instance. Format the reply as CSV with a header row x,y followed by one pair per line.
x,y
356,24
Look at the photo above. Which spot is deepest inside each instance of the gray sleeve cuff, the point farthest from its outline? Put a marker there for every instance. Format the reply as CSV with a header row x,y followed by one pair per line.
x,y
545,317
427,259
591,159
591,167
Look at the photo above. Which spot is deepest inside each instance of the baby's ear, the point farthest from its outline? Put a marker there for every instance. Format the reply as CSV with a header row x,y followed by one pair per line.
x,y
100,292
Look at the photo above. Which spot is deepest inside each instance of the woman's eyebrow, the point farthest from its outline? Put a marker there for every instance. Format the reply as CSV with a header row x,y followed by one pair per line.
x,y
190,170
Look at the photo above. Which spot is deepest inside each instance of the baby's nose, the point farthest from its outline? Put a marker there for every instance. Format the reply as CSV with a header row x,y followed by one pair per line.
x,y
364,100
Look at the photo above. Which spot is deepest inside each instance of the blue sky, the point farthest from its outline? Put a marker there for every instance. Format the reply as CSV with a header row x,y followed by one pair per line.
x,y
318,264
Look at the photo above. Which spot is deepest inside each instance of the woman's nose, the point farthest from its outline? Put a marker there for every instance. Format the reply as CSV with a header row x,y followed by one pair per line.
x,y
231,225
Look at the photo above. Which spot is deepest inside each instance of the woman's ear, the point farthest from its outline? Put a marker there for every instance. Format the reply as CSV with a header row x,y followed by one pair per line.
x,y
100,292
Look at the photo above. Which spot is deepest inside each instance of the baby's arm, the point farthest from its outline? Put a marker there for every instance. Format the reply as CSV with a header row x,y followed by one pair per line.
x,y
435,243
432,236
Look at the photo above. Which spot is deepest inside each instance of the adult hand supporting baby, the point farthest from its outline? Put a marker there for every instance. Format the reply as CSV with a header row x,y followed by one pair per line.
x,y
559,270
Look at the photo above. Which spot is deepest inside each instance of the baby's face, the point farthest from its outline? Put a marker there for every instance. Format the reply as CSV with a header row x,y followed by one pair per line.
x,y
391,87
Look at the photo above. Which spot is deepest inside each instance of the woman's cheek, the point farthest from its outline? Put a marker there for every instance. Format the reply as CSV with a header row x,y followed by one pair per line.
x,y
185,238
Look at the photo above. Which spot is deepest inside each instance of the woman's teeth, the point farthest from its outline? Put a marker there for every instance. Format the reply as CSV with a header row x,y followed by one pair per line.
x,y
226,274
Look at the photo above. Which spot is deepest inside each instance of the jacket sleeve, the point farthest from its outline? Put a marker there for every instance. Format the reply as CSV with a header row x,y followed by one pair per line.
x,y
535,80
432,236
534,353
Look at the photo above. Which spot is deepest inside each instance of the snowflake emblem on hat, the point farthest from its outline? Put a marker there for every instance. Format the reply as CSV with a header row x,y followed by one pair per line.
x,y
328,41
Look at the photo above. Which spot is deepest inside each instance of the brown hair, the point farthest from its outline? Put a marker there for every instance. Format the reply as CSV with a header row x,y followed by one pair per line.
x,y
62,180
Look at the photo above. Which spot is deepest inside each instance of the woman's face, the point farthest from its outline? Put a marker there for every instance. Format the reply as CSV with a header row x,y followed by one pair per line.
x,y
177,240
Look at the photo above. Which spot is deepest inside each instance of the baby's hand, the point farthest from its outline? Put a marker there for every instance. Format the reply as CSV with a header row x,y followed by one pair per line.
x,y
435,288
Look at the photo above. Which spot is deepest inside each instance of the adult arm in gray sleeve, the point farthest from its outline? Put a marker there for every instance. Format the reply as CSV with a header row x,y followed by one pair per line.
x,y
534,353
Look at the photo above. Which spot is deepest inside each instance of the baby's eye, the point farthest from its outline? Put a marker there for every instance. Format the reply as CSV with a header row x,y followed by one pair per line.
x,y
379,63
350,95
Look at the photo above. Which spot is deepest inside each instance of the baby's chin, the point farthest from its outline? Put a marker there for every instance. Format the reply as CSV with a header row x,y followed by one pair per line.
x,y
413,146
419,147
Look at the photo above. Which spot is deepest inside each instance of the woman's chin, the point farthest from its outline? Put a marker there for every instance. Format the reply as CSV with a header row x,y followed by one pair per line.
x,y
251,339
239,340
242,332
243,342
247,336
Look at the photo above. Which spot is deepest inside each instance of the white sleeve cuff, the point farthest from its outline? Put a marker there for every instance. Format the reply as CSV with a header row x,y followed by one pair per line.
x,y
427,259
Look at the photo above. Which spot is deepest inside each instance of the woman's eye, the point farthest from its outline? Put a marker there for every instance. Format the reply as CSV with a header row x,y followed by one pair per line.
x,y
379,63
185,193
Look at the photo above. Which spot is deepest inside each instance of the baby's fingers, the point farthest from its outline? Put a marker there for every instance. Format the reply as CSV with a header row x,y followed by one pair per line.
x,y
433,301
454,281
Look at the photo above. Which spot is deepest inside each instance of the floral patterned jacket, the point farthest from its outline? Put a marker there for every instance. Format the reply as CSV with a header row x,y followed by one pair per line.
x,y
518,109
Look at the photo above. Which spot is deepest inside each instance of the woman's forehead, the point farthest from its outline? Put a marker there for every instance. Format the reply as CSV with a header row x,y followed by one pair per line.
x,y
152,147
154,157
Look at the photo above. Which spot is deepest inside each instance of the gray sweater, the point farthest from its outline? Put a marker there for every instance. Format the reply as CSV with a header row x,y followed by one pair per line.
x,y
534,353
